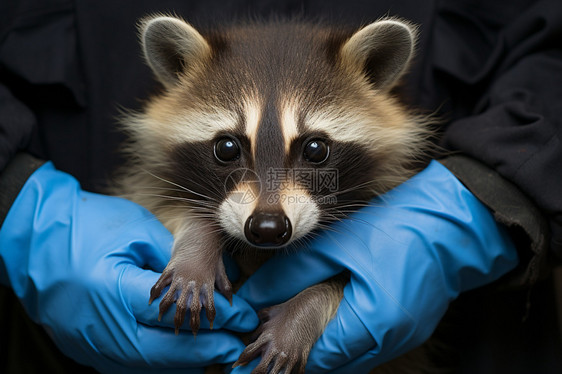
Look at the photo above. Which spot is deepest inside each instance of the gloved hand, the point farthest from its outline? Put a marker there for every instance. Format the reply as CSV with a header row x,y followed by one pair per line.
x,y
75,260
410,253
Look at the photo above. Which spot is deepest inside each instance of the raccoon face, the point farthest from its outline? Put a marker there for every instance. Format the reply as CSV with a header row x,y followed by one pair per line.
x,y
277,128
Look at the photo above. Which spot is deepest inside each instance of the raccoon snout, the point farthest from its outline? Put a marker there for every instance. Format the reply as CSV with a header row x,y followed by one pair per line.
x,y
268,229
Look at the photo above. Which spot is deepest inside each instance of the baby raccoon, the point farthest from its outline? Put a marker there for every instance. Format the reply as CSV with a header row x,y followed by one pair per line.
x,y
263,133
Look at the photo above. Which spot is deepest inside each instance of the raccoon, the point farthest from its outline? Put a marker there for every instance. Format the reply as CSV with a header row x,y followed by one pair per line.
x,y
264,133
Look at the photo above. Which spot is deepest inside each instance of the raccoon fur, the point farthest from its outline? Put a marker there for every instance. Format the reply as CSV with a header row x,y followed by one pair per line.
x,y
263,133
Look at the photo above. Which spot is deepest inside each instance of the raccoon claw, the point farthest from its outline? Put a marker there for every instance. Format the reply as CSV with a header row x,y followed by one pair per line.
x,y
275,360
279,355
164,281
193,295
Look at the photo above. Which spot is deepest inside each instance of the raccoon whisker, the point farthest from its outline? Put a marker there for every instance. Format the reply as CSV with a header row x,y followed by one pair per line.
x,y
379,186
183,207
212,224
174,214
210,211
163,188
180,186
204,210
204,216
342,214
324,227
215,229
235,247
233,244
347,208
200,212
365,222
214,232
354,188
360,185
327,215
340,217
170,211
339,213
307,239
178,198
214,189
328,224
343,211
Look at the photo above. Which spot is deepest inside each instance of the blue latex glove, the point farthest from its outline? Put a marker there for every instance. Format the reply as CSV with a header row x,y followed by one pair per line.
x,y
410,253
75,260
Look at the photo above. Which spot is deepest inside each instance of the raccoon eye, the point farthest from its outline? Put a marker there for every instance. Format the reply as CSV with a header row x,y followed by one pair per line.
x,y
226,150
316,151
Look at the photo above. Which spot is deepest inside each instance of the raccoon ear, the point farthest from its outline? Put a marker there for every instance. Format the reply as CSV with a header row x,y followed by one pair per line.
x,y
381,50
171,46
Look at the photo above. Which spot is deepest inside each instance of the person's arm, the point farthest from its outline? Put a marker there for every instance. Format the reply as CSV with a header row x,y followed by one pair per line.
x,y
82,265
16,124
13,178
504,99
410,253
526,223
502,92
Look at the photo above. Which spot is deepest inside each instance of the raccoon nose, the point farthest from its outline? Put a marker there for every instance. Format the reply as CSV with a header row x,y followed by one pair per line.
x,y
268,229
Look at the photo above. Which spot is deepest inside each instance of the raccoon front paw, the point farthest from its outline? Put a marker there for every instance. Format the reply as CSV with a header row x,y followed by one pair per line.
x,y
190,287
283,346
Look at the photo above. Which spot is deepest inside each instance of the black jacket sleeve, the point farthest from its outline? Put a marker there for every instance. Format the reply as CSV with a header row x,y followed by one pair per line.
x,y
38,66
12,179
16,125
497,72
